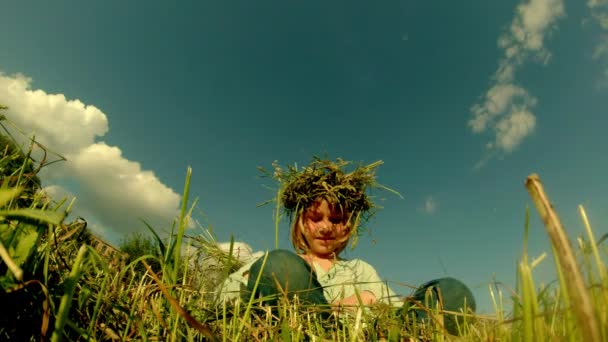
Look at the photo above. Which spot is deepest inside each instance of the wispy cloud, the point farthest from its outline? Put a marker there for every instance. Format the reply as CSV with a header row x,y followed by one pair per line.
x,y
506,109
111,190
430,205
599,13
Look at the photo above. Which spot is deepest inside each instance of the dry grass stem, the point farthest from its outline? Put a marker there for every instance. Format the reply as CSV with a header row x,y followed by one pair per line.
x,y
576,286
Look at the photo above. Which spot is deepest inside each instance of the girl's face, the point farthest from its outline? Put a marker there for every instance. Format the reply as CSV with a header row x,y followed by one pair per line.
x,y
325,229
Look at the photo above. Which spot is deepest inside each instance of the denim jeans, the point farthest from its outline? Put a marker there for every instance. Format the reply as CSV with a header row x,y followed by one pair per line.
x,y
287,273
451,293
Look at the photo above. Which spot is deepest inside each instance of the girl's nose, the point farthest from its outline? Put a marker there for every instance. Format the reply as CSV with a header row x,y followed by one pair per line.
x,y
326,227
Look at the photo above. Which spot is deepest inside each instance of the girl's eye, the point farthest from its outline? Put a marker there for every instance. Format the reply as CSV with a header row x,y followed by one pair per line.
x,y
336,220
315,218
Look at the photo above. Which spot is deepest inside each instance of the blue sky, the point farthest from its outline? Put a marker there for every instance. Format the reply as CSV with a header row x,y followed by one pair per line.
x,y
461,100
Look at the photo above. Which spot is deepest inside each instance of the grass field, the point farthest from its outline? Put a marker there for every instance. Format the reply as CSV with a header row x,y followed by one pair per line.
x,y
58,282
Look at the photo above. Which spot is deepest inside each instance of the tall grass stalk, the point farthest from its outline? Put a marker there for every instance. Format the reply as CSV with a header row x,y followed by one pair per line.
x,y
251,299
183,221
567,318
98,302
21,170
135,304
574,280
599,290
66,299
277,217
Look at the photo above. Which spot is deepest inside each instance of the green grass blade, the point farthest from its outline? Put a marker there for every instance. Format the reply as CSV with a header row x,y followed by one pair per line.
x,y
161,245
44,216
98,302
183,218
251,299
66,299
25,245
10,263
277,218
23,166
6,195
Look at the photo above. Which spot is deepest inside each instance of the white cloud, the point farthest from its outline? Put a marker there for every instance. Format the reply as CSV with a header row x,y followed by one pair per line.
x,y
57,192
430,205
111,190
65,125
601,49
596,3
506,108
535,19
500,98
512,129
599,13
601,16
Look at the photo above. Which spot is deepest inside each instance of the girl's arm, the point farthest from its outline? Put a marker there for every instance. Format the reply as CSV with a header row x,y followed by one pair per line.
x,y
230,289
367,283
367,298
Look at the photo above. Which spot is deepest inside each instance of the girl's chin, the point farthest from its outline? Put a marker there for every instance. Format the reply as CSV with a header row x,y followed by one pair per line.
x,y
324,250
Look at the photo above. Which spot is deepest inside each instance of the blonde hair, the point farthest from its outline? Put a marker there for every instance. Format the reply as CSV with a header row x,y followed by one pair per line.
x,y
297,230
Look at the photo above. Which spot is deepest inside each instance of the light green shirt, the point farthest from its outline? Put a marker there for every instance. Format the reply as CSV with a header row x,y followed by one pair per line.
x,y
342,280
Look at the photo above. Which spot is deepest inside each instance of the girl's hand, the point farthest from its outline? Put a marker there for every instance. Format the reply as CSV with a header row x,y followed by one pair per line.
x,y
367,298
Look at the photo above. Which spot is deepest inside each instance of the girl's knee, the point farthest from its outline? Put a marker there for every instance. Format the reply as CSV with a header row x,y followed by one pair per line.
x,y
284,271
281,255
279,263
454,293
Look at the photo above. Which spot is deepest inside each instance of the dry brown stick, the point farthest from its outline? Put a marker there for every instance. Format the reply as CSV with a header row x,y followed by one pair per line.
x,y
575,286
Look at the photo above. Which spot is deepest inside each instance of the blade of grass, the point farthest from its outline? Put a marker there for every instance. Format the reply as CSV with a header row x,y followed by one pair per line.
x,y
12,266
66,299
251,298
6,195
203,329
565,299
354,334
183,217
96,309
22,168
601,269
137,293
161,245
574,280
34,214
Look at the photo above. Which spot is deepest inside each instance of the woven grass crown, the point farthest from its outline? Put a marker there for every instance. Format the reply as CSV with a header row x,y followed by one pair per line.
x,y
323,178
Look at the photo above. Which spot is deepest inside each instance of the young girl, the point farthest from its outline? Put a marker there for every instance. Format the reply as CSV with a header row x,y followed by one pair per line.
x,y
326,205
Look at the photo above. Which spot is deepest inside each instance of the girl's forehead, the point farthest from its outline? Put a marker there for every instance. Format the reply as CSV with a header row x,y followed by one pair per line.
x,y
323,206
